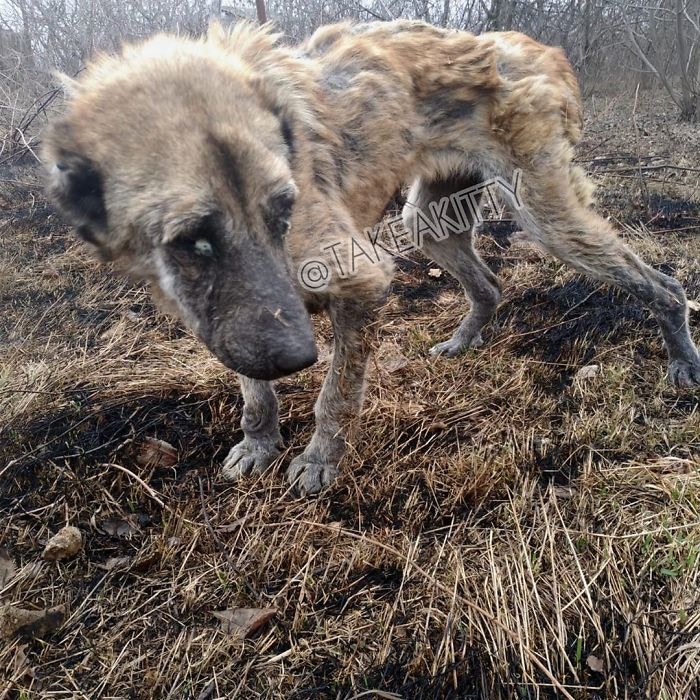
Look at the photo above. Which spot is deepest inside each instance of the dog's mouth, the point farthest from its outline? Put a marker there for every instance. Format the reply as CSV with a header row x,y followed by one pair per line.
x,y
278,367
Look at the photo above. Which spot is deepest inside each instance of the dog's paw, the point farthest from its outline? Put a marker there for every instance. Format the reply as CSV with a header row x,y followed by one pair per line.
x,y
249,457
685,373
456,346
308,477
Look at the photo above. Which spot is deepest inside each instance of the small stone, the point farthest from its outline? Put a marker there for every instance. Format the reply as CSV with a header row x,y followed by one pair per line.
x,y
587,372
595,664
66,543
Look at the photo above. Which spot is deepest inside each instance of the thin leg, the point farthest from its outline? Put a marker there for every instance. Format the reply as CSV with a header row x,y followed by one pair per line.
x,y
260,424
583,239
340,400
457,255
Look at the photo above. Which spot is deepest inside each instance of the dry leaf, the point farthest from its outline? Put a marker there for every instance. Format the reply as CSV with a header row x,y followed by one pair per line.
x,y
7,568
434,272
234,526
153,452
114,330
30,623
595,664
146,562
587,372
693,305
399,633
115,563
208,691
66,543
20,664
117,527
563,492
394,362
390,358
244,622
123,527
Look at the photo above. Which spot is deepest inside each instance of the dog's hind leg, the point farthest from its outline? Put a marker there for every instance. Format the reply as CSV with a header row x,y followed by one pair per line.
x,y
553,213
455,252
260,425
340,400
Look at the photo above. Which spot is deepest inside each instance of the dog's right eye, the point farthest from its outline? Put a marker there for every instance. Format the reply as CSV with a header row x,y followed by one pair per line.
x,y
200,247
196,242
203,247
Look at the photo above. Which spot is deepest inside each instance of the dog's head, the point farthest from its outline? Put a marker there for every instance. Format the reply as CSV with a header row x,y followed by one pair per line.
x,y
170,162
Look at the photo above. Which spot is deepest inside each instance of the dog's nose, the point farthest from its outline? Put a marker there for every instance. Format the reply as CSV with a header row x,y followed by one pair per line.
x,y
288,361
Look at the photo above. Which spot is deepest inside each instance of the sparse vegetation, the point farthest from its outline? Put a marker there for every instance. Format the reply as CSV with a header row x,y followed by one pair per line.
x,y
504,529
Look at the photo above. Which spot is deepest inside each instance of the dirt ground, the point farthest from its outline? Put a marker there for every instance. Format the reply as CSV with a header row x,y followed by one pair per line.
x,y
506,526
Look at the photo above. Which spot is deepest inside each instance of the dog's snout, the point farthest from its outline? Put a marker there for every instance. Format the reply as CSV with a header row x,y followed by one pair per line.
x,y
290,360
269,355
287,360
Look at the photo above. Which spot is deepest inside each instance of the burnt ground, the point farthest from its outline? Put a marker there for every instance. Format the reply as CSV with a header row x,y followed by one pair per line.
x,y
501,527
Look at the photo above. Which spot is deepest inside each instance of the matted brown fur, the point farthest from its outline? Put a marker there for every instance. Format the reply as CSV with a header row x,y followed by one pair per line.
x,y
188,160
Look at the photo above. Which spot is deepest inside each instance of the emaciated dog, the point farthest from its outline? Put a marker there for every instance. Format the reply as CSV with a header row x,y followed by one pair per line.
x,y
214,168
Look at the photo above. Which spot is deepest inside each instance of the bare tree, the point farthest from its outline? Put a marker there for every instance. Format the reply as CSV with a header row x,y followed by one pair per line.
x,y
668,44
606,40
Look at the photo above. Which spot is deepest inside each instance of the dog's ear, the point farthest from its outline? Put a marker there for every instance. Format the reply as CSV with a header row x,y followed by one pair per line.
x,y
74,182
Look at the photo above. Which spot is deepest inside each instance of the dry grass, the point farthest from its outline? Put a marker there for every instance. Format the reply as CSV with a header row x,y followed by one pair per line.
x,y
501,528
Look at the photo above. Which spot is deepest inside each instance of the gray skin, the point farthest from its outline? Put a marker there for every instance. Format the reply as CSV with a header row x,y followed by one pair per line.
x,y
247,312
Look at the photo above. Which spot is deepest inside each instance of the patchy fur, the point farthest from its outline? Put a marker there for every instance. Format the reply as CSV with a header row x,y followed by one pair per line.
x,y
214,167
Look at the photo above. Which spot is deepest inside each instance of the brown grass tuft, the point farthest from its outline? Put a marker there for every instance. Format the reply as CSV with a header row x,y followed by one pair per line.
x,y
497,517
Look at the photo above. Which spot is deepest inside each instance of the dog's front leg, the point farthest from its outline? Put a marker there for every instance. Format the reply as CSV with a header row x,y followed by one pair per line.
x,y
261,442
340,400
